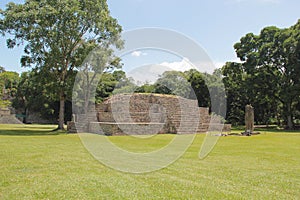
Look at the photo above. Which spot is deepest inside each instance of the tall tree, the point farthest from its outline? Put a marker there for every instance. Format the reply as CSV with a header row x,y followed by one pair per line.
x,y
56,32
276,53
243,88
235,84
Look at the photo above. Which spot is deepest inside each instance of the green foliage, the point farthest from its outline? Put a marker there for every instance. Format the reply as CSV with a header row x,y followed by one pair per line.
x,y
110,83
8,82
234,81
130,88
59,34
32,95
217,96
199,87
35,94
176,82
106,85
268,76
162,89
8,87
146,88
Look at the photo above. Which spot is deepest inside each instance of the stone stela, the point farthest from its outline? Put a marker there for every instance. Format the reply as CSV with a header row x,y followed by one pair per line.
x,y
249,121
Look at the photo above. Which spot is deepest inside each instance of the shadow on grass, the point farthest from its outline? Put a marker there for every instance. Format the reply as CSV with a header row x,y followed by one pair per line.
x,y
42,128
29,131
276,130
271,128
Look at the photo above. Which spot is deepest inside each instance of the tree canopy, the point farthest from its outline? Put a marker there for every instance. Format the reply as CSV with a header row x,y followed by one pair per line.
x,y
268,76
58,35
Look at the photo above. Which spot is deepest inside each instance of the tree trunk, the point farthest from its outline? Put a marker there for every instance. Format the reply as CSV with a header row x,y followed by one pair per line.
x,y
26,115
61,111
290,122
289,117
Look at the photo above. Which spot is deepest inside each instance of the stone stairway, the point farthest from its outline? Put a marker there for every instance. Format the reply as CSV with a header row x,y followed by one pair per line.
x,y
142,114
9,119
178,115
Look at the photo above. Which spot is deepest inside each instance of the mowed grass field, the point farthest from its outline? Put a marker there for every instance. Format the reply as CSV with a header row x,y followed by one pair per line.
x,y
36,163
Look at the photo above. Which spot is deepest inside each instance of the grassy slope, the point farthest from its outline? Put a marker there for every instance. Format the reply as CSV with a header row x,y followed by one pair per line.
x,y
38,164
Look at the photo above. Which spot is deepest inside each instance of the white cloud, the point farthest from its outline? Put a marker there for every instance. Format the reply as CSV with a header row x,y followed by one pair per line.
x,y
219,64
183,65
150,73
147,73
202,66
138,54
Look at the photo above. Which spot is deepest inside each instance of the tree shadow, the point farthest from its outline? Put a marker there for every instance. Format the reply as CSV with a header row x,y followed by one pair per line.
x,y
30,131
275,130
271,128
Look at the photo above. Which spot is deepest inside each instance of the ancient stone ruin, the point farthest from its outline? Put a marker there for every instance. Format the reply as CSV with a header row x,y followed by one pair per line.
x,y
142,114
7,118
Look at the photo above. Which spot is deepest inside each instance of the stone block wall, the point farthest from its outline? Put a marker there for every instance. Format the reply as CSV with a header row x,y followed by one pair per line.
x,y
149,108
6,117
147,114
4,112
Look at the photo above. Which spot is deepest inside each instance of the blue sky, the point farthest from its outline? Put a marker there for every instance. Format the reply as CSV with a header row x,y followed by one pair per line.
x,y
216,25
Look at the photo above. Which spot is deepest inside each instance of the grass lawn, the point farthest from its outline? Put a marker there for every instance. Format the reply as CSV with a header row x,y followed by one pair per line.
x,y
36,163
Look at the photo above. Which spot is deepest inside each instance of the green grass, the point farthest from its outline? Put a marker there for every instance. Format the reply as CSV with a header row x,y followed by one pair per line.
x,y
37,163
